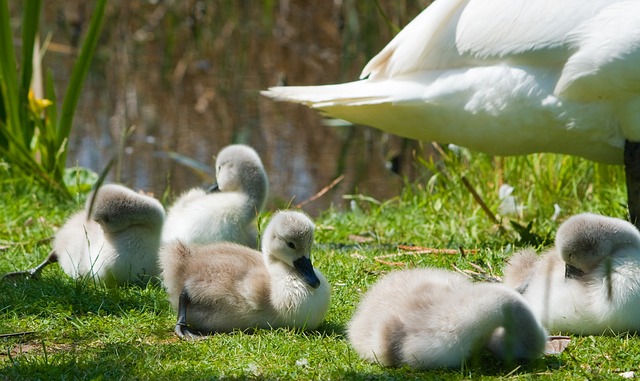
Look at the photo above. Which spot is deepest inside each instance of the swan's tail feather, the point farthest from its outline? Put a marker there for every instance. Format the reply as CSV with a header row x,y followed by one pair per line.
x,y
320,97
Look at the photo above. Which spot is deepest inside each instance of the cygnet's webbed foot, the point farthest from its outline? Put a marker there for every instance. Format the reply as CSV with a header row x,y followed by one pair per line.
x,y
182,330
556,344
33,273
185,333
26,274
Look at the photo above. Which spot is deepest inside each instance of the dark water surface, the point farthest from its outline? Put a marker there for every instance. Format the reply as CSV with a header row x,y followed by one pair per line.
x,y
181,79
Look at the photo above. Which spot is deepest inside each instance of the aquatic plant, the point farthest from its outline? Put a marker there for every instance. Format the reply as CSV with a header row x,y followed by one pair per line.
x,y
34,131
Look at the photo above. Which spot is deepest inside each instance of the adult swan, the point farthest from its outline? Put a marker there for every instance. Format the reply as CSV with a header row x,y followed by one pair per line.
x,y
506,77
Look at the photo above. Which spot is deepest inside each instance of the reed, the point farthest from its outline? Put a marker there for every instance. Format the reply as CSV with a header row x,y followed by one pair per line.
x,y
34,128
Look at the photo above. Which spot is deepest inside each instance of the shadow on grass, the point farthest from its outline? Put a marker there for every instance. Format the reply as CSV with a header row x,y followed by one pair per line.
x,y
329,328
484,366
55,292
180,361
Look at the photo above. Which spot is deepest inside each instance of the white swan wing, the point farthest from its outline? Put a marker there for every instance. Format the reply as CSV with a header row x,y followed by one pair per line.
x,y
458,33
425,43
530,32
606,59
532,74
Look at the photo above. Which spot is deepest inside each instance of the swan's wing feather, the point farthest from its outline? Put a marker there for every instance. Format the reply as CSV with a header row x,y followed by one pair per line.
x,y
606,62
457,33
427,42
531,31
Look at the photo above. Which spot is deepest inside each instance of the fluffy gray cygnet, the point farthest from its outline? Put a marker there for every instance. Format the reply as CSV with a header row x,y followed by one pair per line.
x,y
431,318
589,283
115,243
227,212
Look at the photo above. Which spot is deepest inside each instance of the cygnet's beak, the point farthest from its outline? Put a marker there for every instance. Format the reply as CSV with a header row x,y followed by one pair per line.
x,y
572,272
305,268
214,188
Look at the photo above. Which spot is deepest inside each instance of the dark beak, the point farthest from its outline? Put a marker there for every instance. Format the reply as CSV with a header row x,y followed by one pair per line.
x,y
214,188
305,268
572,272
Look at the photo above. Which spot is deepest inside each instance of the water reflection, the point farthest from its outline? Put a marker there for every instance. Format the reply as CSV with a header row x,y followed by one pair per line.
x,y
181,79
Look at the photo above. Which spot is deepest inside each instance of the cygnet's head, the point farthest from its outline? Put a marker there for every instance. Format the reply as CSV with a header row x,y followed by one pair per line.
x,y
584,240
116,207
288,238
239,169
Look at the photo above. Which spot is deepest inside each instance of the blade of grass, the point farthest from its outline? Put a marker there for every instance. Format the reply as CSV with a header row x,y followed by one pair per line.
x,y
51,116
30,22
98,184
78,75
8,75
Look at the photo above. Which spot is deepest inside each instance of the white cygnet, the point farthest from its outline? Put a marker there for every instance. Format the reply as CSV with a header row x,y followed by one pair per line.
x,y
432,318
227,212
225,286
116,242
589,283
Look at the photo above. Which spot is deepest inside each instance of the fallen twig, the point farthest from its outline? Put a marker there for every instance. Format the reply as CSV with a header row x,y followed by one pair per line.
x,y
321,192
16,334
430,250
479,200
415,250
479,276
389,263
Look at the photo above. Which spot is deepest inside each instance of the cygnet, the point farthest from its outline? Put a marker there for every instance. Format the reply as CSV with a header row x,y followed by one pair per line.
x,y
227,212
432,318
116,242
226,286
589,283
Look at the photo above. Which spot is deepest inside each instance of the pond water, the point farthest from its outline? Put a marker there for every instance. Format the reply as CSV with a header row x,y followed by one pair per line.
x,y
175,81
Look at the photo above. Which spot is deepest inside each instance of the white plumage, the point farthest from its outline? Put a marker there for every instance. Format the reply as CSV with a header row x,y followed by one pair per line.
x,y
589,283
431,318
118,243
227,214
505,77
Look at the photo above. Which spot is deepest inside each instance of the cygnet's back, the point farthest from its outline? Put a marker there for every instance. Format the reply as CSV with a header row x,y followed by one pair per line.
x,y
225,286
431,318
589,283
118,243
227,213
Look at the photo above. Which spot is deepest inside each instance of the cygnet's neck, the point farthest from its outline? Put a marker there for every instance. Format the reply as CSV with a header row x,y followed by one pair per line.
x,y
294,301
255,187
252,191
288,289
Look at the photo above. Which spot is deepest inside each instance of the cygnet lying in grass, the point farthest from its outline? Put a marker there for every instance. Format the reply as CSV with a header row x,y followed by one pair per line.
x,y
117,242
225,286
432,318
589,283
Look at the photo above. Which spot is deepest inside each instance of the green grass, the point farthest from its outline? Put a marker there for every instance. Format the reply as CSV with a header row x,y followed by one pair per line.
x,y
85,331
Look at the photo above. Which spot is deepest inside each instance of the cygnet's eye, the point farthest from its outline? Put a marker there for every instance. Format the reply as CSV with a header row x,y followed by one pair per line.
x,y
291,245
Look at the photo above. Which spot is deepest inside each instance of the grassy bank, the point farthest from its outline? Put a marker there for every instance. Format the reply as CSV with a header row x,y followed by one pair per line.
x,y
83,331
